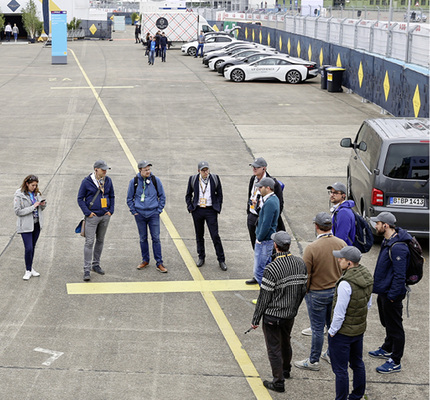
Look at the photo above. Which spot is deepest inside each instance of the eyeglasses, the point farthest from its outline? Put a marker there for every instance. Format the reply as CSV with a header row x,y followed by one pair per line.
x,y
333,193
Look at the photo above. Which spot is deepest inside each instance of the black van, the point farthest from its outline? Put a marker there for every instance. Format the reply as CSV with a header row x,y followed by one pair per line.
x,y
389,171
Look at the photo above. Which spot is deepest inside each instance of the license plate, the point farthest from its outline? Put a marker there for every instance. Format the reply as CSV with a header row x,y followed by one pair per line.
x,y
407,201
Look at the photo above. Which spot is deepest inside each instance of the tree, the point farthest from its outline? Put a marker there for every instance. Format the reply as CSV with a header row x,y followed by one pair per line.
x,y
30,19
2,20
74,24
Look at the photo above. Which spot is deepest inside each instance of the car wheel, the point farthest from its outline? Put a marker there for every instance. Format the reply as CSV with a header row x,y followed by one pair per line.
x,y
237,75
293,76
192,51
218,63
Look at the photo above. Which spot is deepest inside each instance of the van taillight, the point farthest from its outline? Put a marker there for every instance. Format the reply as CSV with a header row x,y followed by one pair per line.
x,y
377,197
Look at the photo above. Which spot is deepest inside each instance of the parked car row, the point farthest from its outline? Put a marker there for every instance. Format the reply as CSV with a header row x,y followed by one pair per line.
x,y
239,61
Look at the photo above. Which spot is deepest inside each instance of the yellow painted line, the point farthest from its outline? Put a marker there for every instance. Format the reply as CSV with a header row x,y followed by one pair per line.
x,y
230,336
160,287
95,87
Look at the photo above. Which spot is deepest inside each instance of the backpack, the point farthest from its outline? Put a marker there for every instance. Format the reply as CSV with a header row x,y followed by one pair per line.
x,y
154,182
194,178
363,239
280,183
414,270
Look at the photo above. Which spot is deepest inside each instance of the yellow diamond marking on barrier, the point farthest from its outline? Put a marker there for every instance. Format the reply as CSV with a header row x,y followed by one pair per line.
x,y
261,37
386,85
338,62
93,29
299,49
321,57
360,74
253,35
416,101
268,39
289,46
310,53
280,43
246,33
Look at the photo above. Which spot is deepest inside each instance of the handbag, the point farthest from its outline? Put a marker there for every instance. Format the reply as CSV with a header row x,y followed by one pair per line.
x,y
80,228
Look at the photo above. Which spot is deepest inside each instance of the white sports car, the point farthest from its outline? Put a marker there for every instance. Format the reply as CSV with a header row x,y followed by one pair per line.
x,y
291,70
214,42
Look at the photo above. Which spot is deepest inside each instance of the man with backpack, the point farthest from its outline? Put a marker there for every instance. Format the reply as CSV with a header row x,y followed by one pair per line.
x,y
146,200
390,285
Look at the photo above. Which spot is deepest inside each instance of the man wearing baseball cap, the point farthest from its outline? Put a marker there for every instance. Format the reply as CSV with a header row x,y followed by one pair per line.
x,y
389,283
204,202
146,201
281,293
348,323
96,198
342,216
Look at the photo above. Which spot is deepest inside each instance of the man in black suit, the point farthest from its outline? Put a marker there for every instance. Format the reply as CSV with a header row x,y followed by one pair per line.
x,y
204,202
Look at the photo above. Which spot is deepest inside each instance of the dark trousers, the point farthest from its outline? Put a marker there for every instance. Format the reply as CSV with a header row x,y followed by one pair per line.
x,y
278,344
390,315
252,226
343,350
208,214
30,239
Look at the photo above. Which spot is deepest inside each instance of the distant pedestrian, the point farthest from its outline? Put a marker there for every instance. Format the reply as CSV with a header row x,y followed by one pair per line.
x,y
152,47
163,47
15,31
8,31
96,198
157,43
29,206
137,31
201,44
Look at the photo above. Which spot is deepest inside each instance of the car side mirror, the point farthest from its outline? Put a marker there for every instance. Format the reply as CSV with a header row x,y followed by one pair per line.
x,y
362,146
346,142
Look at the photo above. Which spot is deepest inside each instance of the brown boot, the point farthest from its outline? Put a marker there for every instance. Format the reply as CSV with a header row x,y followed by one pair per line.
x,y
143,265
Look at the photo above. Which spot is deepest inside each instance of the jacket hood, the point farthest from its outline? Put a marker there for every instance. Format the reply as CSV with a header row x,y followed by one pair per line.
x,y
347,204
402,236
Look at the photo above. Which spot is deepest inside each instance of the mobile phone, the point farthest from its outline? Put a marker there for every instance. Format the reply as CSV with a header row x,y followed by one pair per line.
x,y
41,201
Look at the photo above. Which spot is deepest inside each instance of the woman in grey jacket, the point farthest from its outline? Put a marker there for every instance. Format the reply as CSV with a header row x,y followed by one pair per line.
x,y
29,206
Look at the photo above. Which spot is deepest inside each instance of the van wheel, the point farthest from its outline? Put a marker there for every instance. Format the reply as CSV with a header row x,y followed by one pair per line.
x,y
192,51
348,186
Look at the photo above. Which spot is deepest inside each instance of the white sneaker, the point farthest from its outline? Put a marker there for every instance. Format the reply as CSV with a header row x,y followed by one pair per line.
x,y
306,364
34,272
27,275
326,357
307,332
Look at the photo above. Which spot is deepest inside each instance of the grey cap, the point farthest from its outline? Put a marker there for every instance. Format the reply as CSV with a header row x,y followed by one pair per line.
x,y
101,164
338,186
281,238
144,164
323,219
259,162
203,164
385,217
350,253
266,182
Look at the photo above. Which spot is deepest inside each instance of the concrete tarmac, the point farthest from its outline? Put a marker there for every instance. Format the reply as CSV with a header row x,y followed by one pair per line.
x,y
178,335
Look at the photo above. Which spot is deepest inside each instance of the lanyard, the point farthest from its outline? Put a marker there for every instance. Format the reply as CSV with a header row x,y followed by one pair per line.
x,y
201,186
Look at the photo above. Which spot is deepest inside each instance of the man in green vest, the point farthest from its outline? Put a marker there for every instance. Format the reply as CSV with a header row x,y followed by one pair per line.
x,y
351,301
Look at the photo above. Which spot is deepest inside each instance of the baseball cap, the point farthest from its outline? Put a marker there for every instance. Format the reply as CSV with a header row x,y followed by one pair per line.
x,y
259,162
385,217
203,164
350,253
101,164
323,219
281,238
266,182
144,164
338,186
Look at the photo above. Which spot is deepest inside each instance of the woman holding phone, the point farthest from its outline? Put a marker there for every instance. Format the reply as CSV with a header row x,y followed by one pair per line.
x,y
29,206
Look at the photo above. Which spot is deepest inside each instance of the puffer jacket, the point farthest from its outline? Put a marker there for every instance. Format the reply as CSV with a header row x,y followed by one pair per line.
x,y
24,208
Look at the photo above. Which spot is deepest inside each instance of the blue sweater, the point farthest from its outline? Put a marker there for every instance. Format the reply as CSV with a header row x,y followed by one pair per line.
x,y
268,219
88,190
344,222
153,202
390,273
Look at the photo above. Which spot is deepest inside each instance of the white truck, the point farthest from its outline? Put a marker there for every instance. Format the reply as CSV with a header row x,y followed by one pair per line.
x,y
178,26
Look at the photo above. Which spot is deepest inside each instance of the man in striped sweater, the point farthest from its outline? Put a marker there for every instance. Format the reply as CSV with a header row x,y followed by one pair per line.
x,y
282,290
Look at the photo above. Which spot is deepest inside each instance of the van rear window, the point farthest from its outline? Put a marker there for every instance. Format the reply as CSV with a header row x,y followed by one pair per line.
x,y
407,161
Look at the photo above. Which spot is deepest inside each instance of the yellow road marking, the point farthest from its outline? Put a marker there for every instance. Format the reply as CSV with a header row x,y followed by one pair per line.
x,y
95,87
230,336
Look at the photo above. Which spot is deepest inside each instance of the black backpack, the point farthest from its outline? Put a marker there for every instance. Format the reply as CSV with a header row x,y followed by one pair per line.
x,y
414,271
154,182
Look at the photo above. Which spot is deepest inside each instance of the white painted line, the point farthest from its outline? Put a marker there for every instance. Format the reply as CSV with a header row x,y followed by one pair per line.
x,y
54,355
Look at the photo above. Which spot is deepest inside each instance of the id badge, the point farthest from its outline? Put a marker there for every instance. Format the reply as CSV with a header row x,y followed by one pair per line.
x,y
104,202
202,202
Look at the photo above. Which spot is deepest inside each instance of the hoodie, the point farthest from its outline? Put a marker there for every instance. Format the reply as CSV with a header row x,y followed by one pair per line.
x,y
343,220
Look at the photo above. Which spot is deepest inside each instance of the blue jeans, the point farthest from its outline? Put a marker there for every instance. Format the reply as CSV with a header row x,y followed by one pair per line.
x,y
319,303
346,349
151,56
200,47
262,256
153,222
163,53
30,240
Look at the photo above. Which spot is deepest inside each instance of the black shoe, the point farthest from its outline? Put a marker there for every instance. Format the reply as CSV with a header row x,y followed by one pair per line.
x,y
252,281
223,265
200,262
272,386
87,276
98,270
287,375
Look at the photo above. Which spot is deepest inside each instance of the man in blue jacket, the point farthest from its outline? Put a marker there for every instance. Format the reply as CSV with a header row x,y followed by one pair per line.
x,y
390,285
146,200
266,227
342,216
96,198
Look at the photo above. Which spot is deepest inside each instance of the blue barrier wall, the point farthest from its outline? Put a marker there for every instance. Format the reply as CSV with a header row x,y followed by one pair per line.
x,y
401,89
